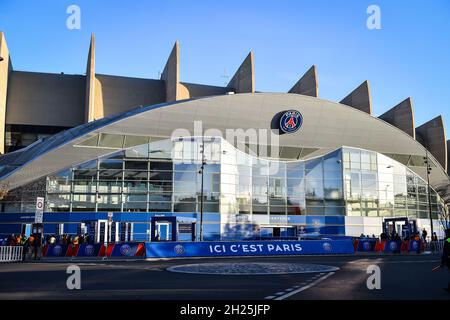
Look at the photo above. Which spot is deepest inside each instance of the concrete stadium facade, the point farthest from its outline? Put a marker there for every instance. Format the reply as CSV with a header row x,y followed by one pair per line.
x,y
115,154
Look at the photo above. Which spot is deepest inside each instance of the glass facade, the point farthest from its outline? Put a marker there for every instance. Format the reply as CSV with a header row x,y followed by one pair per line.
x,y
242,194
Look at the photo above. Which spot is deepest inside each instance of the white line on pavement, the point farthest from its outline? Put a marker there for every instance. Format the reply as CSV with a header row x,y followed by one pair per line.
x,y
287,295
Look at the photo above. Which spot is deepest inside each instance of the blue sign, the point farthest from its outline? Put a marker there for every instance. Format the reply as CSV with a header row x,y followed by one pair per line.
x,y
247,248
291,121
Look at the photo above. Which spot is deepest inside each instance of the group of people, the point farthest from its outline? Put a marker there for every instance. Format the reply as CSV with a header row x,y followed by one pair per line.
x,y
32,245
68,239
394,236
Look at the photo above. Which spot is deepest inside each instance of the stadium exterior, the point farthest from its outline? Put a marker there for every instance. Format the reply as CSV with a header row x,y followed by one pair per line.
x,y
224,162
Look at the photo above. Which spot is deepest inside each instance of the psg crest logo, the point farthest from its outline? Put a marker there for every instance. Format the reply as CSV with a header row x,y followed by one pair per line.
x,y
89,250
125,250
327,246
179,249
57,250
291,121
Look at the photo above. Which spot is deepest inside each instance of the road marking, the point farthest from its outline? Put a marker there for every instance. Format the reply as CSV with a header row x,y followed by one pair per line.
x,y
279,293
304,288
269,297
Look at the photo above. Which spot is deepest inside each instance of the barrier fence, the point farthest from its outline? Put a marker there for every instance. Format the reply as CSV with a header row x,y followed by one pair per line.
x,y
11,253
124,249
390,246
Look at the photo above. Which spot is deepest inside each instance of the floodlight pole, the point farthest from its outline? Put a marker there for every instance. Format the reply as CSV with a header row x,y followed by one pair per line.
x,y
202,169
430,211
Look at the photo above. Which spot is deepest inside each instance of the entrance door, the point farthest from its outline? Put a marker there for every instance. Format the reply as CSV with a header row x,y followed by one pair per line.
x,y
102,231
163,230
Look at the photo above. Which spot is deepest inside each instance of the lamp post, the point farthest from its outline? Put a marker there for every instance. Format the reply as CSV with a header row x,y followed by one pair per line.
x,y
427,162
202,169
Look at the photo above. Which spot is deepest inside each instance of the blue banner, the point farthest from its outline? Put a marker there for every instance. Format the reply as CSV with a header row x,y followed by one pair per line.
x,y
127,249
89,250
56,250
367,245
393,246
247,248
414,245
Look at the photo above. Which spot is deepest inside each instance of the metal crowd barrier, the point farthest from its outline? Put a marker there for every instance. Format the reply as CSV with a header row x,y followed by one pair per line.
x,y
436,247
11,253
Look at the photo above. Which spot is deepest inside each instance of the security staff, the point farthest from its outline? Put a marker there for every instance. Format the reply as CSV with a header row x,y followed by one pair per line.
x,y
446,255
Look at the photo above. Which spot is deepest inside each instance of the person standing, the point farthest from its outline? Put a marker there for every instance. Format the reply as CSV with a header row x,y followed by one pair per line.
x,y
445,260
424,235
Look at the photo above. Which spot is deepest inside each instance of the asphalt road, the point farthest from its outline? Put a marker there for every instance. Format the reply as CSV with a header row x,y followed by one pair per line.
x,y
402,277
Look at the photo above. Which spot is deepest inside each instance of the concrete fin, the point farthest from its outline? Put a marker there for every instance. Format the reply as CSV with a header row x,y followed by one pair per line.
x,y
90,83
171,74
243,80
402,117
432,136
5,69
448,153
360,98
307,85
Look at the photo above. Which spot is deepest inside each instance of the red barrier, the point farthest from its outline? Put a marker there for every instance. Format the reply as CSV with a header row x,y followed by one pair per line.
x,y
140,252
102,251
383,245
355,245
110,249
44,250
72,250
405,246
378,246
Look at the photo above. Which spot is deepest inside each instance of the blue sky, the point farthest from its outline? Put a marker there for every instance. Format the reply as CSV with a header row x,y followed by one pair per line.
x,y
409,56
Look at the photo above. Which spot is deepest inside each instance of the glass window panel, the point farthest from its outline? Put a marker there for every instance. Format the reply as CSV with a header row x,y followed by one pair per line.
x,y
135,186
257,209
111,140
185,207
314,169
314,189
161,176
160,166
333,189
135,175
136,165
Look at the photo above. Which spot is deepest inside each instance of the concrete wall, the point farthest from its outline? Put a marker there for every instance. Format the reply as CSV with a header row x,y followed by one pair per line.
x,y
201,90
118,94
90,111
243,80
432,136
45,99
171,74
360,98
5,67
401,116
307,85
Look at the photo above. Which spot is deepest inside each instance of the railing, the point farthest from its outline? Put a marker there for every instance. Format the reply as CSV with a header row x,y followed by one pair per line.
x,y
11,253
435,247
